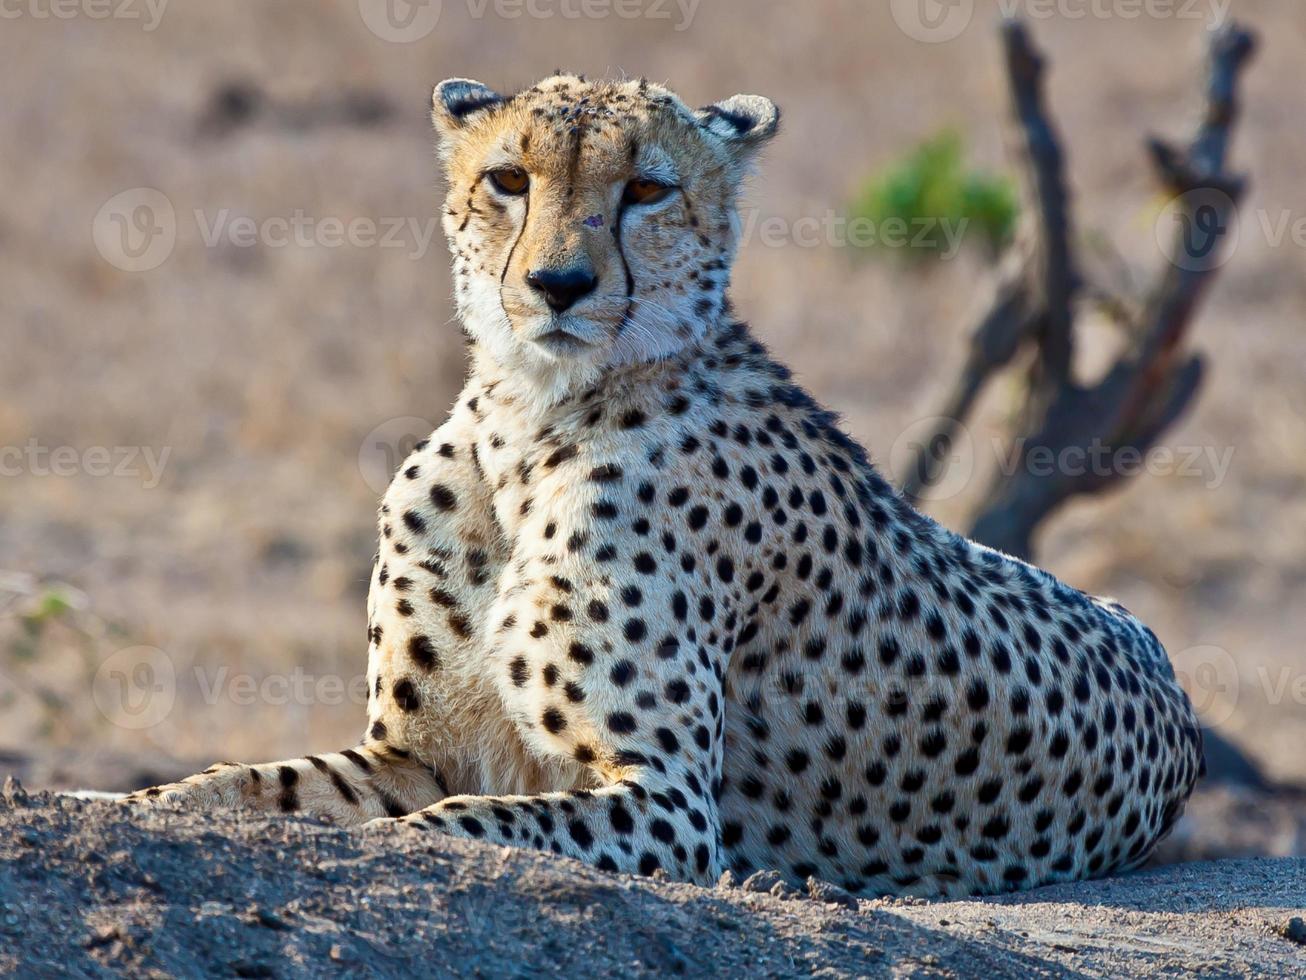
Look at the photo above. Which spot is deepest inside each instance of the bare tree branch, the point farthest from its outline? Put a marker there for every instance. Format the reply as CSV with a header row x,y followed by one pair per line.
x,y
1035,276
1054,279
1153,382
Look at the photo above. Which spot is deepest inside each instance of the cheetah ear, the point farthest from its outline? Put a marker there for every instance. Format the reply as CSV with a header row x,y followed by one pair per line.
x,y
457,101
744,122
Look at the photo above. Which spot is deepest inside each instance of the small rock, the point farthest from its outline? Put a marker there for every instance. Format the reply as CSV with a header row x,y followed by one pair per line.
x,y
14,793
660,874
1294,930
727,880
784,890
761,881
830,894
337,953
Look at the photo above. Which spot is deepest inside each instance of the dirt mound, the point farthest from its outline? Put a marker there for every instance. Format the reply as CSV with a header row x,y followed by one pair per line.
x,y
90,889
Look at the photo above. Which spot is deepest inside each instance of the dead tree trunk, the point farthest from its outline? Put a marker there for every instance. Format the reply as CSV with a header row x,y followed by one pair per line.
x,y
1039,290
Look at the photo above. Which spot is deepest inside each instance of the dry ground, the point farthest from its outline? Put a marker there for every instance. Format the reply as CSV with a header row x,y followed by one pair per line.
x,y
262,370
86,890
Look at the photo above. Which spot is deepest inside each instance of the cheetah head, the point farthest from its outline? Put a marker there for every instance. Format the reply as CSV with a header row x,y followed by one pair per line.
x,y
591,223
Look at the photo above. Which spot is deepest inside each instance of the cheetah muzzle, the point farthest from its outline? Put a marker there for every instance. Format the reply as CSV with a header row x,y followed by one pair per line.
x,y
640,600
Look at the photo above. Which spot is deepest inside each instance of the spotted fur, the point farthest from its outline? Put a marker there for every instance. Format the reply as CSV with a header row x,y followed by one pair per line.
x,y
641,601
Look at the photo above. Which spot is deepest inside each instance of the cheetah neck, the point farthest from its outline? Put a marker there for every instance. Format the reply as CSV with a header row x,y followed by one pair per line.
x,y
539,392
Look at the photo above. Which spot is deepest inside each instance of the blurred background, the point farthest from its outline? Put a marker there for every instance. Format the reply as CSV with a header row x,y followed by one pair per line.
x,y
225,314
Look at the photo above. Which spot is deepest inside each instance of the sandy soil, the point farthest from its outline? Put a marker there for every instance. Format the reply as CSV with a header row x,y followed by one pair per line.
x,y
89,890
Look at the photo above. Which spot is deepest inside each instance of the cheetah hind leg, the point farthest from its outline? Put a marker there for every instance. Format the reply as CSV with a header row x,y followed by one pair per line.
x,y
349,787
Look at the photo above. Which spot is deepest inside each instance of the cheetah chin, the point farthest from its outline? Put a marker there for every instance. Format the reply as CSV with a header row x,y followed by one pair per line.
x,y
642,602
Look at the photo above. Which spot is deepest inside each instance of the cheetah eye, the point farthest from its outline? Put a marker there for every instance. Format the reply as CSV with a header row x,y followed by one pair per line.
x,y
510,180
640,191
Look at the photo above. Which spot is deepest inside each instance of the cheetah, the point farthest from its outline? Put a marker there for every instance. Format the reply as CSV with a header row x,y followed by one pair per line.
x,y
640,600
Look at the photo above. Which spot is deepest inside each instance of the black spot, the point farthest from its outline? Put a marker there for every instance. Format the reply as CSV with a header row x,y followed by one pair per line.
x,y
621,722
472,826
423,652
406,695
561,455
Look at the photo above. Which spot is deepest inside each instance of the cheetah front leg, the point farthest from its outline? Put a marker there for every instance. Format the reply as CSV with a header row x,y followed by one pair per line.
x,y
434,580
348,787
614,688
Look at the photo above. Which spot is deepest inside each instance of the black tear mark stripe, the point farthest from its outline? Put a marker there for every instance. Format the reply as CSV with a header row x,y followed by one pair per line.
x,y
621,254
503,276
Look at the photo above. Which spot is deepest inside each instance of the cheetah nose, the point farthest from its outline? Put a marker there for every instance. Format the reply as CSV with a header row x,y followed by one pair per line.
x,y
562,288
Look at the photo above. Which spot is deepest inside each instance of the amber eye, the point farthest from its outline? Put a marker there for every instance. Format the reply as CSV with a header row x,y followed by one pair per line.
x,y
645,191
510,180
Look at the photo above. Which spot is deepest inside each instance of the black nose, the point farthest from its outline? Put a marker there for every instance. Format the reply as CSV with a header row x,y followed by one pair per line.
x,y
562,289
